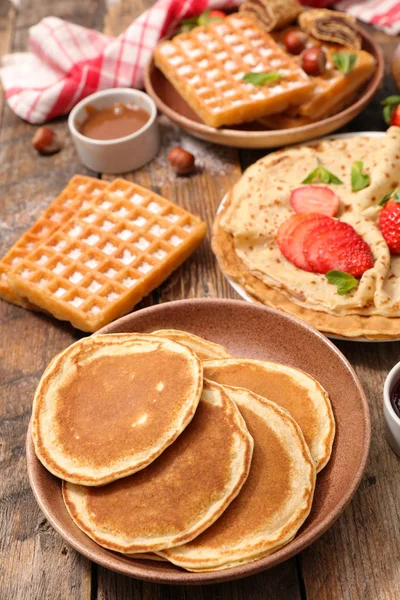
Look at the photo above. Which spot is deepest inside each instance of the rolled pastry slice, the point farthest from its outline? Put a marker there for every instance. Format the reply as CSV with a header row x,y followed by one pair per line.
x,y
331,26
272,14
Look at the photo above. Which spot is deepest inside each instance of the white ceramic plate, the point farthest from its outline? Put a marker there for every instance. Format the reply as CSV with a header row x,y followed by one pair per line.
x,y
242,292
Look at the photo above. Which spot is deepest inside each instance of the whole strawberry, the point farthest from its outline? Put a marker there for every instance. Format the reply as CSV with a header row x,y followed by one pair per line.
x,y
389,222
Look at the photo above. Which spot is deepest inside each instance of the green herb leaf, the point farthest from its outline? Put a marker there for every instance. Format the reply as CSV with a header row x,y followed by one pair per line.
x,y
262,78
359,180
387,113
187,25
343,281
204,19
392,195
385,198
391,101
320,174
345,61
389,104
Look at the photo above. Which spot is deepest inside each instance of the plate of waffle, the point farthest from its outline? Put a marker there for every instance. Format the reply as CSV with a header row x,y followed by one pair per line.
x,y
220,392
311,230
248,82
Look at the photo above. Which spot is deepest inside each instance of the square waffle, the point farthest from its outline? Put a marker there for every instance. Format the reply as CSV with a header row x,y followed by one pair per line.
x,y
333,89
78,190
207,65
118,246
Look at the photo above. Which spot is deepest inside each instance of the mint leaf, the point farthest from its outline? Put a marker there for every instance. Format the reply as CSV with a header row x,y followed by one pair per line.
x,y
262,78
389,104
385,198
343,281
359,180
205,19
387,113
391,101
344,61
322,175
392,195
187,25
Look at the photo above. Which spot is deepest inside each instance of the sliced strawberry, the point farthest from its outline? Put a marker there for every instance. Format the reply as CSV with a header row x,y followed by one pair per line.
x,y
315,199
287,226
336,230
291,237
341,249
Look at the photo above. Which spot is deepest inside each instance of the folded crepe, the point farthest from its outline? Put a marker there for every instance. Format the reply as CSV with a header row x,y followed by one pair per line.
x,y
245,231
331,26
272,14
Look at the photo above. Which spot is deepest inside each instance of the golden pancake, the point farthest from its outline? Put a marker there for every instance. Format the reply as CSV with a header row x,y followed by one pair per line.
x,y
203,348
149,556
108,405
274,502
180,494
300,394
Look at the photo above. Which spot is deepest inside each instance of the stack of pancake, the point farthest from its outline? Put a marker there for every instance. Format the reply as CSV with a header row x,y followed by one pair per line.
x,y
171,449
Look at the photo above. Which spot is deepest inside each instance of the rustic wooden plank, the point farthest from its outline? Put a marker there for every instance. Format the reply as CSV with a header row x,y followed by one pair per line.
x,y
35,561
280,583
357,558
7,23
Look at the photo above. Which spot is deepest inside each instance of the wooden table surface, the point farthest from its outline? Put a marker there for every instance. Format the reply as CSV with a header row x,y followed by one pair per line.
x,y
357,558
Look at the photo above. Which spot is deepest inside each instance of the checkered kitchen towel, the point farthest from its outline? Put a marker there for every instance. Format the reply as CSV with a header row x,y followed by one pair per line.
x,y
67,62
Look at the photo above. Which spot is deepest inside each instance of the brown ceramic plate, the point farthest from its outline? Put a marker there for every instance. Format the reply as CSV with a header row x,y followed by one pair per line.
x,y
257,332
252,135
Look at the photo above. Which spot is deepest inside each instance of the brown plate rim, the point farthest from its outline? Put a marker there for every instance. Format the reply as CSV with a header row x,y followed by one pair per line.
x,y
144,569
203,129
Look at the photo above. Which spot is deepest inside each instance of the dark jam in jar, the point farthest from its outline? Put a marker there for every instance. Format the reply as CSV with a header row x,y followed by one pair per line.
x,y
395,398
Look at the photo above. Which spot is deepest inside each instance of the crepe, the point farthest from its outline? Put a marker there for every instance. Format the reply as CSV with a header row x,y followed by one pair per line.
x,y
244,234
203,348
108,405
295,391
272,14
180,494
273,503
331,26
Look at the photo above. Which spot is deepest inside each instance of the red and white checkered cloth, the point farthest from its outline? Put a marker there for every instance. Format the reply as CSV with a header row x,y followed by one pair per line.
x,y
383,14
67,62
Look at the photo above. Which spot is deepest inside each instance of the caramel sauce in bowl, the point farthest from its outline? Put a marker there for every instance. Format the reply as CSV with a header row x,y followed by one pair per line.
x,y
115,131
113,122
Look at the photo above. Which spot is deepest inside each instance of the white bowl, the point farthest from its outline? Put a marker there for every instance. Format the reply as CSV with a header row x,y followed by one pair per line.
x,y
122,154
392,421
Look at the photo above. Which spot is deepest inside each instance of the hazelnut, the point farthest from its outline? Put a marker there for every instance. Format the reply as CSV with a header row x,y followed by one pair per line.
x,y
181,161
295,42
46,141
313,61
